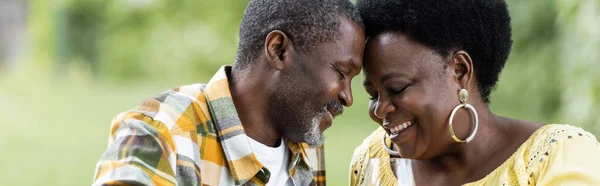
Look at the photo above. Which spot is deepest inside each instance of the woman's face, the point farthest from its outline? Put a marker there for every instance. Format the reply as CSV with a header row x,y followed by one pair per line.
x,y
410,84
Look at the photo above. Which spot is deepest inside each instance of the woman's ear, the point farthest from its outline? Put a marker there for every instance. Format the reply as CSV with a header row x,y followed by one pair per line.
x,y
463,68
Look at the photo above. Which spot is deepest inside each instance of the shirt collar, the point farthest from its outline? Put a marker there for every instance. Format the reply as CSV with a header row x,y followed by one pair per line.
x,y
242,162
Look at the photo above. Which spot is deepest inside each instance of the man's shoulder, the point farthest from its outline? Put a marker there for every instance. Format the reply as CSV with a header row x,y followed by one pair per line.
x,y
185,93
173,101
179,109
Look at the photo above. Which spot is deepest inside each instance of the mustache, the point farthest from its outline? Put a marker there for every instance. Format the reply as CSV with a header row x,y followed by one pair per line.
x,y
335,107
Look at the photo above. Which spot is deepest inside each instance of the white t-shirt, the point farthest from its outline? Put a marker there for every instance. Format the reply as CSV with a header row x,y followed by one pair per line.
x,y
275,159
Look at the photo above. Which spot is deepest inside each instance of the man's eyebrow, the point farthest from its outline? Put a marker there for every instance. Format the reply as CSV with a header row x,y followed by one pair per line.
x,y
354,67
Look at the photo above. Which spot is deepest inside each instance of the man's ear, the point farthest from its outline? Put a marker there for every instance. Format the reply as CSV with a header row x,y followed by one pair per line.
x,y
277,47
463,68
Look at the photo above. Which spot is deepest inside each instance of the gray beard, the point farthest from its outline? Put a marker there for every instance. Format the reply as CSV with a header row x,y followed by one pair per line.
x,y
297,125
314,137
295,117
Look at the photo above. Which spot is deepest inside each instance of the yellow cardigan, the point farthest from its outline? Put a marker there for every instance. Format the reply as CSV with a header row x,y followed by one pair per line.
x,y
553,155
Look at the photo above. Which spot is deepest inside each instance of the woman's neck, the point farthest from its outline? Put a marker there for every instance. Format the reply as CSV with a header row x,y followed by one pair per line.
x,y
468,160
496,140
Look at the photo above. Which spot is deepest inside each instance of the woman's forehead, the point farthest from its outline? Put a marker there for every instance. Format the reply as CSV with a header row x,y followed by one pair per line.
x,y
396,53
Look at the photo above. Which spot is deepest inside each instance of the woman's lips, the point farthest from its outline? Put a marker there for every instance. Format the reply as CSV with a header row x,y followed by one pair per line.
x,y
399,128
398,132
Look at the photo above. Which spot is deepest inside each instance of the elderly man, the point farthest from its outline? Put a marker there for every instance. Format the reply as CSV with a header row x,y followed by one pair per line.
x,y
258,122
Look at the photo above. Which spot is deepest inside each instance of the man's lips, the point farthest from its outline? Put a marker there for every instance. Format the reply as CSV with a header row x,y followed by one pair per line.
x,y
335,108
328,112
333,112
326,120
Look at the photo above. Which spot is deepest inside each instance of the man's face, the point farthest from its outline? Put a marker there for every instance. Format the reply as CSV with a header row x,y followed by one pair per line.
x,y
317,87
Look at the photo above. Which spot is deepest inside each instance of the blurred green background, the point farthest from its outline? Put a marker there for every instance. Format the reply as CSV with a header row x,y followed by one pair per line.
x,y
68,66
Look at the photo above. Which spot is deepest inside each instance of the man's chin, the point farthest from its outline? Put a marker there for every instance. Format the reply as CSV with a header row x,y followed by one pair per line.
x,y
314,141
325,121
313,137
311,132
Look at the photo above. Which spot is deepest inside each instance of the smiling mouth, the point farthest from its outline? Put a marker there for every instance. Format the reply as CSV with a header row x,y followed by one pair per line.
x,y
399,128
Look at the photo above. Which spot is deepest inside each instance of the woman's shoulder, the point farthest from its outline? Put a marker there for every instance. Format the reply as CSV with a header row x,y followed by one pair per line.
x,y
555,154
562,131
370,148
371,145
559,150
559,136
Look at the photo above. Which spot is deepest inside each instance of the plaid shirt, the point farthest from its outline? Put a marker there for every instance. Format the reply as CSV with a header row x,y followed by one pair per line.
x,y
192,135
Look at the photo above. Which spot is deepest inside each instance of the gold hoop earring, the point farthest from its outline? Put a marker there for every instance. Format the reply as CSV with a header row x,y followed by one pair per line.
x,y
387,149
463,95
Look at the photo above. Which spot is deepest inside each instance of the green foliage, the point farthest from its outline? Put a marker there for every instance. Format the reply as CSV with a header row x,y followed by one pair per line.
x,y
552,73
530,70
579,60
169,38
141,39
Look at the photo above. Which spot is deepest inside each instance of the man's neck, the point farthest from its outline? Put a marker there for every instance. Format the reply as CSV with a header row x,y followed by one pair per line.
x,y
249,94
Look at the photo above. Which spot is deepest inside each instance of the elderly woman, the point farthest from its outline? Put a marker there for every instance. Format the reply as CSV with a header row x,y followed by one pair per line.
x,y
430,66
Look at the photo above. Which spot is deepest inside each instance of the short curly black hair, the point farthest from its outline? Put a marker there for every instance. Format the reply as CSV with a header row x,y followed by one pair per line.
x,y
479,27
306,22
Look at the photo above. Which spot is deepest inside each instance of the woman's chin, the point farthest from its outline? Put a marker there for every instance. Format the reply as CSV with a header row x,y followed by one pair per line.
x,y
410,152
415,156
407,155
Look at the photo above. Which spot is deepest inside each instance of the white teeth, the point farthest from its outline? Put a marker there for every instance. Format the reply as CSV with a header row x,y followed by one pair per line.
x,y
401,127
396,129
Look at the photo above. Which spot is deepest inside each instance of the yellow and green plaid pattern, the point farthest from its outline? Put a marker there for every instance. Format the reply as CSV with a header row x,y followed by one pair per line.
x,y
192,135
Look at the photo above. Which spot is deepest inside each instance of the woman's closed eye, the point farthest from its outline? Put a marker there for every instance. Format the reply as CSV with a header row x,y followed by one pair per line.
x,y
372,93
398,91
373,96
